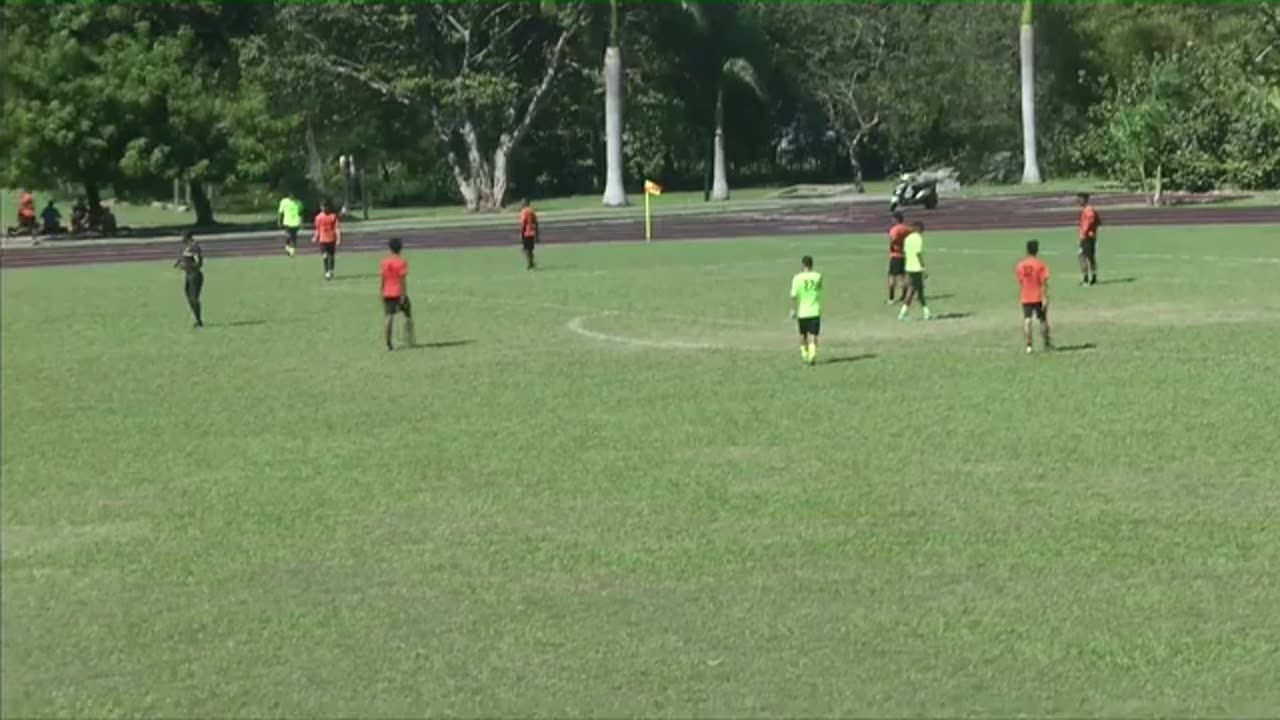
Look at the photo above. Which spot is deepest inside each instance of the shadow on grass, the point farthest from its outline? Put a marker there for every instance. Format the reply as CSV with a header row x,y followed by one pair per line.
x,y
944,296
1075,348
356,276
438,345
953,316
1118,281
850,359
236,324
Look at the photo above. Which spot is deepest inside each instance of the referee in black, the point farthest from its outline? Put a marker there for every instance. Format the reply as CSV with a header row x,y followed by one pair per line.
x,y
192,263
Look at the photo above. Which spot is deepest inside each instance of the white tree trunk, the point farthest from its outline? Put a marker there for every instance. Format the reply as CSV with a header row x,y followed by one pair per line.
x,y
315,164
615,194
1026,52
720,182
498,195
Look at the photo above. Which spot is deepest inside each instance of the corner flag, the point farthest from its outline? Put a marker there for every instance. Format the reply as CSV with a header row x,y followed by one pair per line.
x,y
650,188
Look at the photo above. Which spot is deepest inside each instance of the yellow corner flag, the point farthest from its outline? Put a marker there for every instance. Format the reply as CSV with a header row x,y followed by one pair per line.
x,y
650,188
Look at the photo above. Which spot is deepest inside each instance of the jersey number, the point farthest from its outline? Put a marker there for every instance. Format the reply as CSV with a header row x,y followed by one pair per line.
x,y
810,285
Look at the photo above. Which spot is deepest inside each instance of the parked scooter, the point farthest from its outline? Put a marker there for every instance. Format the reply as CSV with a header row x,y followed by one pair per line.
x,y
913,191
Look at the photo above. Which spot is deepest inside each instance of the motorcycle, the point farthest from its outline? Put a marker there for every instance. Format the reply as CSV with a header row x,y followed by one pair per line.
x,y
914,192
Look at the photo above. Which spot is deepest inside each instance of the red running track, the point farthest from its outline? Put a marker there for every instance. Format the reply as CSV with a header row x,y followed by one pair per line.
x,y
1029,212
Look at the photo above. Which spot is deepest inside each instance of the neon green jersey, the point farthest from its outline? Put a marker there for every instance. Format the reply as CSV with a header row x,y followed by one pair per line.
x,y
913,247
291,212
806,290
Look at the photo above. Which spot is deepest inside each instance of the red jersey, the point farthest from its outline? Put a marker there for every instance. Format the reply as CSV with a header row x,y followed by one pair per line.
x,y
327,227
1032,275
898,235
394,271
27,206
1089,222
528,223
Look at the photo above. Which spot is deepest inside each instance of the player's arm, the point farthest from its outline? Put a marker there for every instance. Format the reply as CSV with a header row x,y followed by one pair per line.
x,y
793,304
315,232
337,232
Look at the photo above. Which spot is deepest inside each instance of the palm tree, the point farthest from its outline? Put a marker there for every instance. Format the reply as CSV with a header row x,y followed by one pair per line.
x,y
615,194
734,68
742,71
1026,54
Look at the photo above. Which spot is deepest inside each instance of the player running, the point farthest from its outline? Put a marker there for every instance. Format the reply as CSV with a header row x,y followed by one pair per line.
x,y
329,235
191,262
913,249
1033,279
806,308
1089,222
290,220
897,260
528,233
395,292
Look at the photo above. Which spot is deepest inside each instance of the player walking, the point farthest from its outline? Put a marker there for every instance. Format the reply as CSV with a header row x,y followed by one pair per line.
x,y
528,233
898,233
329,235
395,293
806,308
1033,280
913,249
1089,222
191,262
290,220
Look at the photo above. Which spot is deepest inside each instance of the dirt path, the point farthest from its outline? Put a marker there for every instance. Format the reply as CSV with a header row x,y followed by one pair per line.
x,y
977,214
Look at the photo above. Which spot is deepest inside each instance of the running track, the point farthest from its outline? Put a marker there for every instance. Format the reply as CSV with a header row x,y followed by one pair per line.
x,y
862,217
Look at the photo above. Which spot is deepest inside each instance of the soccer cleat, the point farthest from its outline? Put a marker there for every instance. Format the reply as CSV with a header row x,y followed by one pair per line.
x,y
903,313
289,250
928,315
1029,350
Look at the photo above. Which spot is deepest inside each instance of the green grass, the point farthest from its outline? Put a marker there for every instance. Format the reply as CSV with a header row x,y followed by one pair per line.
x,y
274,517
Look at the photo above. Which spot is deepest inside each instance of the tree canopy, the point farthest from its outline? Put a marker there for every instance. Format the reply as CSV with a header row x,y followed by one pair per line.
x,y
472,102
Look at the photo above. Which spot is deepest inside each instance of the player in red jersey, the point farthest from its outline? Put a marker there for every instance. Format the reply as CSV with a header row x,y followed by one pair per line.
x,y
1089,222
1033,283
395,292
897,258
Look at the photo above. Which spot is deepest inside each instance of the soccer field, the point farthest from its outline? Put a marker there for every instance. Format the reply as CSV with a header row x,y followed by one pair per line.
x,y
612,487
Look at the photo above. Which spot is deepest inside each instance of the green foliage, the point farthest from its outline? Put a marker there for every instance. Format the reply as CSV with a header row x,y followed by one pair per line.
x,y
132,95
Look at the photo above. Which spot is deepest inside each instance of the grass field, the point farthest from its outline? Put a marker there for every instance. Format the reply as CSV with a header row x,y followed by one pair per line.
x,y
612,488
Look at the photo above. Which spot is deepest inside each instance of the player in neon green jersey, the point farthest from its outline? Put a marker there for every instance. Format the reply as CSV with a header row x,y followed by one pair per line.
x,y
806,308
913,248
290,218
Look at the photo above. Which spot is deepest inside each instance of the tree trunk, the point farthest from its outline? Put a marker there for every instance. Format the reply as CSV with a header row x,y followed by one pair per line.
x,y
1158,197
720,183
200,201
315,163
498,196
615,194
92,197
1026,53
856,166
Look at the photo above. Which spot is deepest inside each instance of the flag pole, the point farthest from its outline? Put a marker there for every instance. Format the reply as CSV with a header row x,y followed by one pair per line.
x,y
648,223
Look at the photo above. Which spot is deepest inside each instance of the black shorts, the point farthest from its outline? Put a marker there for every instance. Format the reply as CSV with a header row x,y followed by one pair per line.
x,y
292,234
1089,248
1035,310
527,243
391,306
810,326
897,266
917,281
330,249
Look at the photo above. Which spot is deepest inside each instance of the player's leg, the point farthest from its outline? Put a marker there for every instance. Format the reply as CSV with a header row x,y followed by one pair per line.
x,y
1044,327
924,302
1083,258
194,285
407,308
803,326
1028,310
526,244
908,296
1093,262
291,241
815,329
